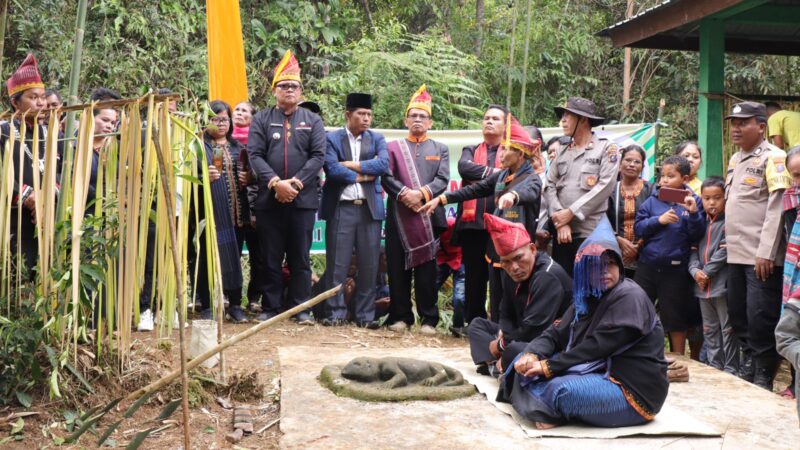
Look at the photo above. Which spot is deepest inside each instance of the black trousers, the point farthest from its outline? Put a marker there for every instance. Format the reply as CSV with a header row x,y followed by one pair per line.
x,y
481,333
286,232
146,294
754,307
495,292
424,277
476,270
564,254
352,228
256,292
678,308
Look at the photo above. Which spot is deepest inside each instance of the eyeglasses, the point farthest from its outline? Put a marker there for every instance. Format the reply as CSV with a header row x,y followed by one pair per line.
x,y
219,120
632,162
418,117
288,87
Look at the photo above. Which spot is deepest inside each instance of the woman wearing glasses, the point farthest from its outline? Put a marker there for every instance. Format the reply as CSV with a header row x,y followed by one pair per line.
x,y
629,193
222,153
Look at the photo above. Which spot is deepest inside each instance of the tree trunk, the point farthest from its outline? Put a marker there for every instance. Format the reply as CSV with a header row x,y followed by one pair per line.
x,y
480,11
369,13
626,76
511,53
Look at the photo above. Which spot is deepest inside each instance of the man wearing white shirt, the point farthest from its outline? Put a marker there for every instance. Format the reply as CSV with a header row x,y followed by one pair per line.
x,y
352,205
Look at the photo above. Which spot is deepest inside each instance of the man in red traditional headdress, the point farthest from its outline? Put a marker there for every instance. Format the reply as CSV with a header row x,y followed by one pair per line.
x,y
536,292
477,163
27,96
419,170
286,146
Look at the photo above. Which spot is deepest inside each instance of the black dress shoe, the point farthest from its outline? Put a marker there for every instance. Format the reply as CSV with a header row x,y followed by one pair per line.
x,y
237,315
332,322
368,324
264,316
763,377
747,370
303,318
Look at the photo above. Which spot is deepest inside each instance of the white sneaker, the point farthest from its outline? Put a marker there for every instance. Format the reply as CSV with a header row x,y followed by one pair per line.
x,y
398,327
427,330
145,321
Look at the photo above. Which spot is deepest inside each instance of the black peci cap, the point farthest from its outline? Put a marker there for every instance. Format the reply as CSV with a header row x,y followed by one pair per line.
x,y
356,100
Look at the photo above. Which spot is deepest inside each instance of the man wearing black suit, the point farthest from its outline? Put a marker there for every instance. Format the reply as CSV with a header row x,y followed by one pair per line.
x,y
287,149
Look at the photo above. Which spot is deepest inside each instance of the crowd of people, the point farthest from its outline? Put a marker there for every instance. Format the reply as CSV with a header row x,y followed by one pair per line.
x,y
569,269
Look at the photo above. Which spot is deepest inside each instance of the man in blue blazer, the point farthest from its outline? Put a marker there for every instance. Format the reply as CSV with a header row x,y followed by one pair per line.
x,y
352,205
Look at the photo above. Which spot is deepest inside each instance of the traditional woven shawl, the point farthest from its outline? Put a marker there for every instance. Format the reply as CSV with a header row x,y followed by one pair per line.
x,y
415,230
791,274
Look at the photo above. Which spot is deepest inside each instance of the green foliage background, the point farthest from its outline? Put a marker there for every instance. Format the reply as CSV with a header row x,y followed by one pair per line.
x,y
135,45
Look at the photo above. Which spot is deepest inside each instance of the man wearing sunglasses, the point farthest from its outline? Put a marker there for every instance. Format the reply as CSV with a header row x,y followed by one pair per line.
x,y
286,145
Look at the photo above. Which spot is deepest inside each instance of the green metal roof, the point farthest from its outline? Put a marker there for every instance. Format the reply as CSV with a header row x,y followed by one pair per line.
x,y
751,26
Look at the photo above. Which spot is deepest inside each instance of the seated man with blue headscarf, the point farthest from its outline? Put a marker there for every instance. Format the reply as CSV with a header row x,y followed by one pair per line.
x,y
603,363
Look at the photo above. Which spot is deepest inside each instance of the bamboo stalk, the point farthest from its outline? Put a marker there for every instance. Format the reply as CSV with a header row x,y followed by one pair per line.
x,y
3,16
235,339
168,199
511,53
521,111
74,82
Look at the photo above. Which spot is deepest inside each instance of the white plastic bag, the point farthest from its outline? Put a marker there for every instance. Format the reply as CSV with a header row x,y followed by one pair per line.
x,y
204,337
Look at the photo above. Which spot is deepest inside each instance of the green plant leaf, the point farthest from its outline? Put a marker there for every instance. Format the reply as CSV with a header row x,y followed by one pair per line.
x,y
54,391
137,404
18,426
80,377
107,433
169,409
24,399
139,439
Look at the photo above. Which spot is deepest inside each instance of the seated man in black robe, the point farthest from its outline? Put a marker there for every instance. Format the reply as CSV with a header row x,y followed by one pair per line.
x,y
603,363
536,292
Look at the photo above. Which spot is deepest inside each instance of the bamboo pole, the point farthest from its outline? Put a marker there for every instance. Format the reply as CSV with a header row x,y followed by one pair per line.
x,y
511,54
74,82
170,377
3,16
521,112
173,240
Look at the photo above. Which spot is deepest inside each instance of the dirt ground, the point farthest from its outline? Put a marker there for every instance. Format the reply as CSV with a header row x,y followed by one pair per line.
x,y
211,422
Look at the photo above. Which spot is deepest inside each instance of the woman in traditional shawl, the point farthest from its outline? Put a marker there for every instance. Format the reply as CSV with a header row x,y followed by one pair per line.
x,y
603,363
517,190
229,209
791,271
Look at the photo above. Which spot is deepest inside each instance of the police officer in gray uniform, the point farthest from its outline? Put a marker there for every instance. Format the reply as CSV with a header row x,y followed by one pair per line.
x,y
580,179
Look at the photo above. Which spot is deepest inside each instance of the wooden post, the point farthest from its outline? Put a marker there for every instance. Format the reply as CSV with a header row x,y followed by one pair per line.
x,y
711,92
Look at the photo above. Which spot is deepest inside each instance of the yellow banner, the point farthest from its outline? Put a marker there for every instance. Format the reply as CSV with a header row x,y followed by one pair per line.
x,y
227,77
